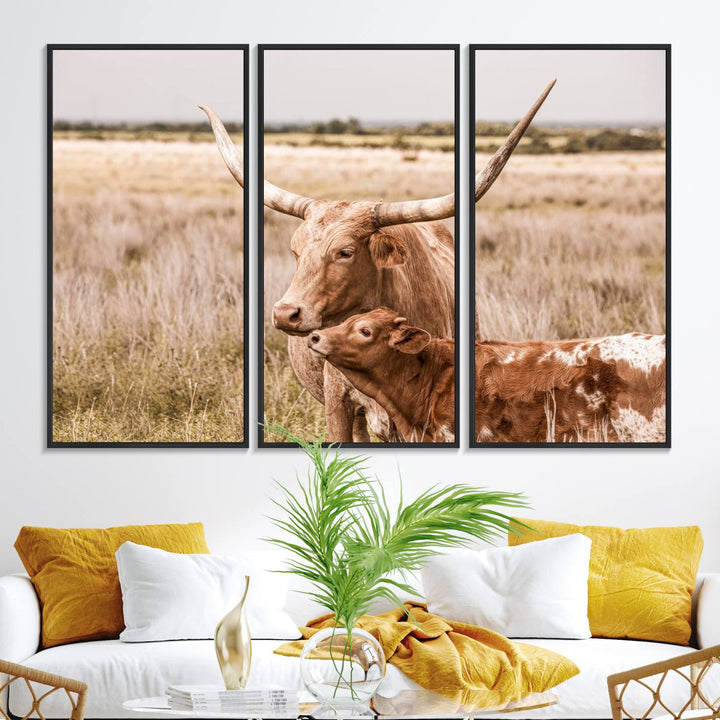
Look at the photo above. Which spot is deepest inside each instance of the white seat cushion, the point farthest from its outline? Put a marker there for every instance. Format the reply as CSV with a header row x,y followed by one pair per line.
x,y
117,671
586,694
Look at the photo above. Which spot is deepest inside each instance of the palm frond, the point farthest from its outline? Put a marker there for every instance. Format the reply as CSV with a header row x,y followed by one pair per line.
x,y
346,541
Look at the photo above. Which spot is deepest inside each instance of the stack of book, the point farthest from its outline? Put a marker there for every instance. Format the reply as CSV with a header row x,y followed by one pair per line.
x,y
260,701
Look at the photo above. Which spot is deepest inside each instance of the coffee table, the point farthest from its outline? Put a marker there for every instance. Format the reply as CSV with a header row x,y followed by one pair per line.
x,y
406,705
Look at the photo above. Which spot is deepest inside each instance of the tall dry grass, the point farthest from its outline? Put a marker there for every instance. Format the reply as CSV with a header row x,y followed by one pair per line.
x,y
572,246
147,294
568,246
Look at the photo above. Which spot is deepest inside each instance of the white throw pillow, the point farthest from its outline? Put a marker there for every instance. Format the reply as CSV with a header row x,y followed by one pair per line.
x,y
176,596
536,590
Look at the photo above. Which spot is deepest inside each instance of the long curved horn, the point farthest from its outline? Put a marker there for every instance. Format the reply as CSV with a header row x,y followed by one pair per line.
x,y
274,197
495,165
409,211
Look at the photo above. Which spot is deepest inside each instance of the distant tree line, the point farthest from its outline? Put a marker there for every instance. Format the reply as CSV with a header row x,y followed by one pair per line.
x,y
191,127
572,140
542,139
568,140
352,126
607,140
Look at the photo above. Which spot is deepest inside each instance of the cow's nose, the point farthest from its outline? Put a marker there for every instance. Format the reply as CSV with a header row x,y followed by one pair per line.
x,y
287,315
315,338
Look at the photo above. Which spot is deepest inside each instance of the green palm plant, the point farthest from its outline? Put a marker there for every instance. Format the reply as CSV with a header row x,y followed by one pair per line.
x,y
344,538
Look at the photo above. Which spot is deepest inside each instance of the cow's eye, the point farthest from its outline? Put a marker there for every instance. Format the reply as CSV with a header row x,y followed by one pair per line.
x,y
345,253
365,331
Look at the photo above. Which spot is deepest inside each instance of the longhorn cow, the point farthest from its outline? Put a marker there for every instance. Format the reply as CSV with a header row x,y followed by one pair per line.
x,y
356,256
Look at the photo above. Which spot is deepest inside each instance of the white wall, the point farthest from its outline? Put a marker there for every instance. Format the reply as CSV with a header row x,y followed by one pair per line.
x,y
228,489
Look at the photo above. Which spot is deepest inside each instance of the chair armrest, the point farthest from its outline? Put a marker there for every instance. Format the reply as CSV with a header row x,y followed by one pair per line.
x,y
75,691
19,618
708,611
692,668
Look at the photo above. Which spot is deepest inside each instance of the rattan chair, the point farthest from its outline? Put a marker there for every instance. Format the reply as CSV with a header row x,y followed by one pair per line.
x,y
699,670
41,685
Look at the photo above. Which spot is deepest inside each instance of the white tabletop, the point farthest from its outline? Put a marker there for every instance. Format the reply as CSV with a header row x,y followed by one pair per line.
x,y
159,705
406,705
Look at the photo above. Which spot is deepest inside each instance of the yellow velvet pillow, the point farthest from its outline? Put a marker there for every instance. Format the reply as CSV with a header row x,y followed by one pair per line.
x,y
75,575
641,581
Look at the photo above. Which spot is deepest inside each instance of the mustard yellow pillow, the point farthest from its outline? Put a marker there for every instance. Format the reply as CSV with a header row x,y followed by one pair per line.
x,y
641,580
75,575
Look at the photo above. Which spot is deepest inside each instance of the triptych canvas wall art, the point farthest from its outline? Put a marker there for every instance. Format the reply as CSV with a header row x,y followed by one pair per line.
x,y
359,246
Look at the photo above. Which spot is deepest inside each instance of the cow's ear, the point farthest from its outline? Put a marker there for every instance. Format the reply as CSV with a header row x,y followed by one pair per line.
x,y
409,340
386,250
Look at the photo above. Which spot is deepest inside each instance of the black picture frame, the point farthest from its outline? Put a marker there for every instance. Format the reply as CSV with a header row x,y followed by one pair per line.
x,y
50,49
473,51
262,49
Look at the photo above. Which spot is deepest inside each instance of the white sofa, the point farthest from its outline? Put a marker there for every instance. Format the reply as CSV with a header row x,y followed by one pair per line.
x,y
117,671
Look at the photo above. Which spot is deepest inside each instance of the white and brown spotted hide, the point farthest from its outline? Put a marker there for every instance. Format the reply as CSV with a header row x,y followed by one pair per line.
x,y
609,389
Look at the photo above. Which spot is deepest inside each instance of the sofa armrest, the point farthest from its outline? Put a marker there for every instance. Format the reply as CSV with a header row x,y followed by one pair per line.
x,y
708,611
19,618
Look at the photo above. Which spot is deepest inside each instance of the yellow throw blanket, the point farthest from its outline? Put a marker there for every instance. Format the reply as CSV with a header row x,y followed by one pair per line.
x,y
466,664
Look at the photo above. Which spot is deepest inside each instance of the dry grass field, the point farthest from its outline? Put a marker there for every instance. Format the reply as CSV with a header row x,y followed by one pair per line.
x,y
147,269
568,246
148,311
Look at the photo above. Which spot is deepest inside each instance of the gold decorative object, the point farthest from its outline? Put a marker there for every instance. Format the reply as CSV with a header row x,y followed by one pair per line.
x,y
648,681
233,646
74,690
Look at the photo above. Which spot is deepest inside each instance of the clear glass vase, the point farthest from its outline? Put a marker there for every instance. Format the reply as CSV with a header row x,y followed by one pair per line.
x,y
233,645
342,670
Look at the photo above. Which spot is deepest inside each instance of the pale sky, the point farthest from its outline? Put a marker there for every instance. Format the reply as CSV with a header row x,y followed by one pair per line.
x,y
147,85
379,85
593,86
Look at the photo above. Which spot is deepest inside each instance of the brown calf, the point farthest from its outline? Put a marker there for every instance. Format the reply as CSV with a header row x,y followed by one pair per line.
x,y
604,389
406,372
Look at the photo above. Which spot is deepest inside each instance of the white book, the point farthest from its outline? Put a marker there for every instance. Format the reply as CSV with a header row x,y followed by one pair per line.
x,y
258,708
227,703
218,692
193,689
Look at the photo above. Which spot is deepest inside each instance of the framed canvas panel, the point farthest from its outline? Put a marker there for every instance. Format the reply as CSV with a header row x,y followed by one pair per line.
x,y
357,150
146,269
570,249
